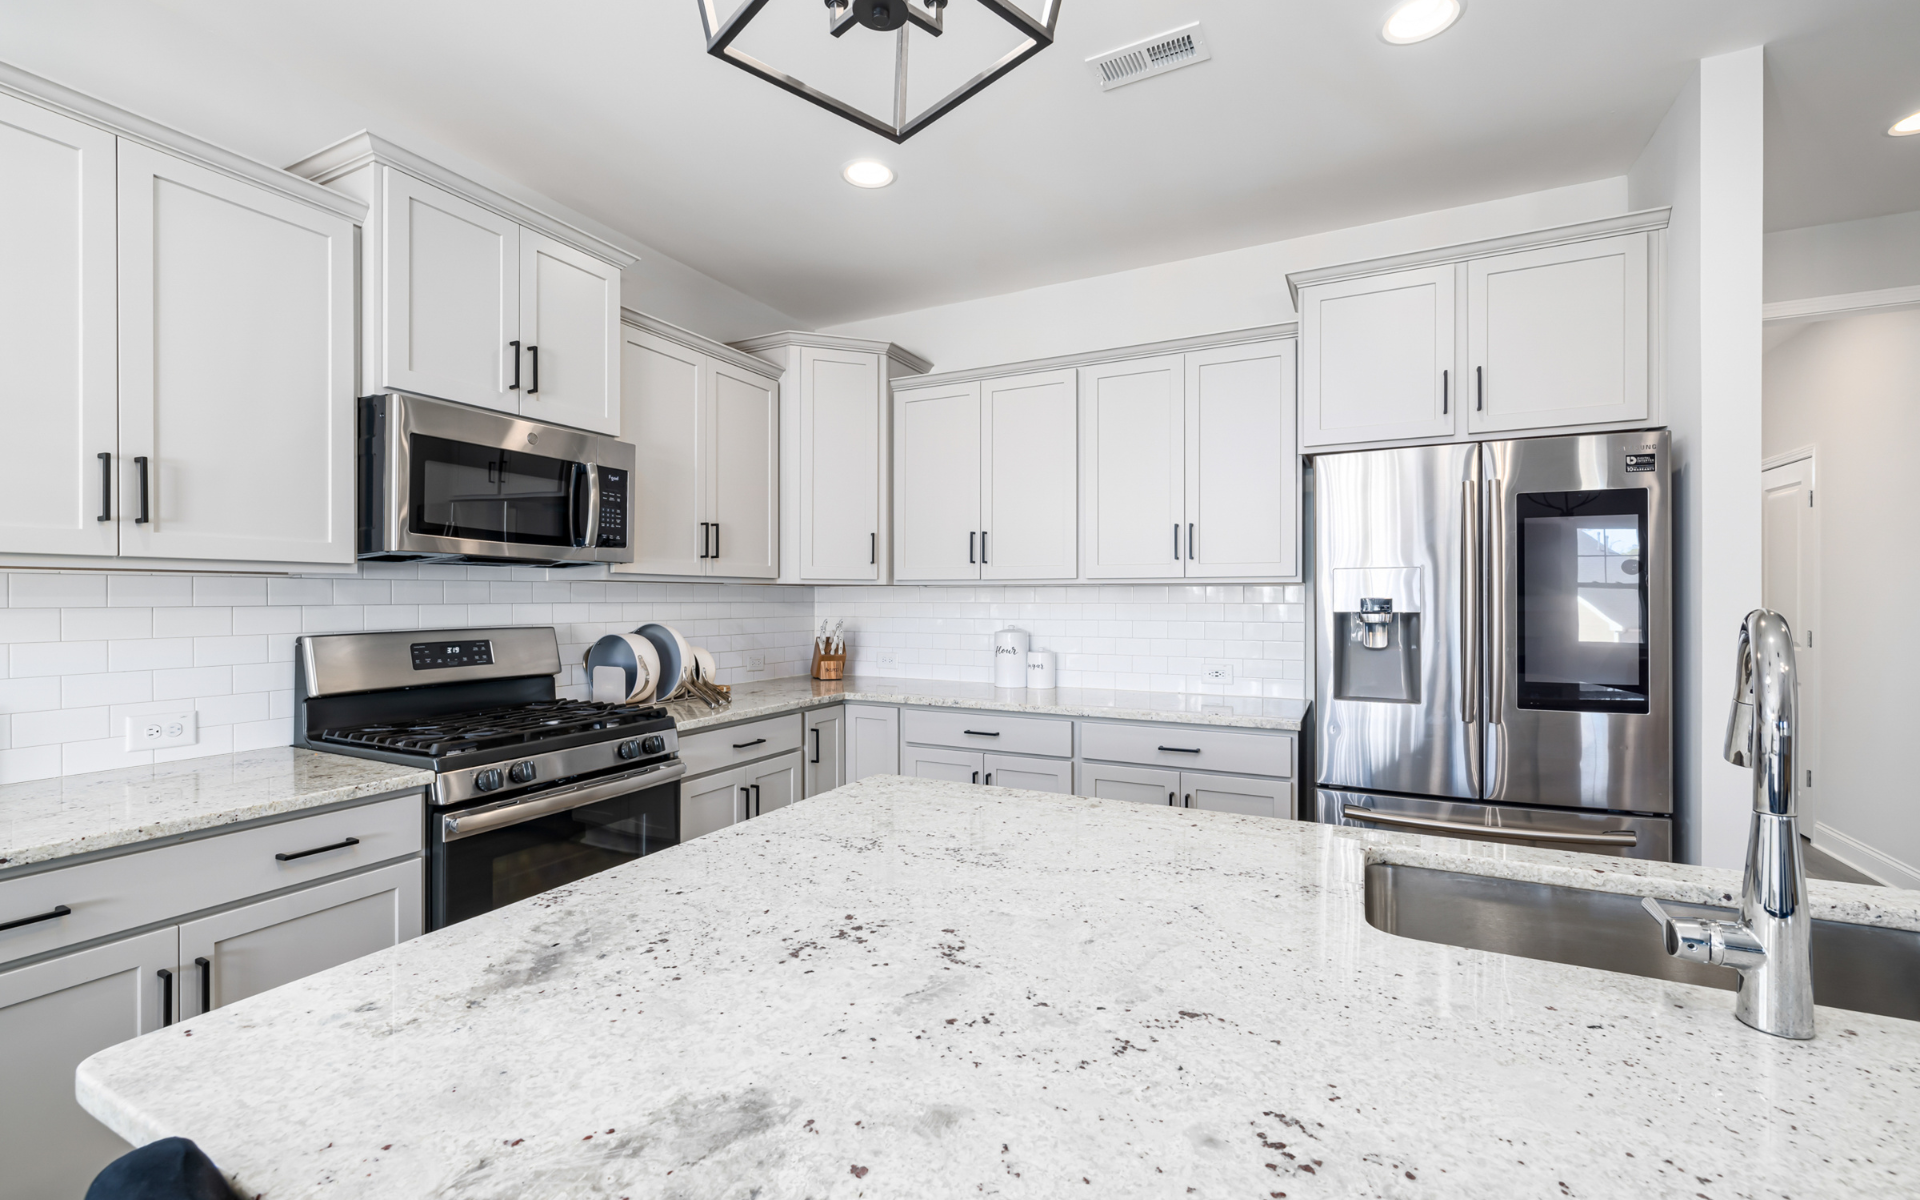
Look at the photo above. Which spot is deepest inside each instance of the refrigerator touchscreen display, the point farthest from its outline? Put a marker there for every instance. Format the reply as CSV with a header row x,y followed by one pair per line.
x,y
1583,600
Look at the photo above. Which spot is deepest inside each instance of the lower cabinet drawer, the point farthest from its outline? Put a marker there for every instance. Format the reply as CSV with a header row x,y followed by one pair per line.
x,y
111,894
996,732
713,749
1189,747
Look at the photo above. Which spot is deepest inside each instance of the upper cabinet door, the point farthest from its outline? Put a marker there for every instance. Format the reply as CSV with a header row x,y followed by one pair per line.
x,y
1377,358
570,335
1243,469
1029,479
236,368
1133,506
936,483
743,473
663,392
1558,336
841,452
450,296
57,333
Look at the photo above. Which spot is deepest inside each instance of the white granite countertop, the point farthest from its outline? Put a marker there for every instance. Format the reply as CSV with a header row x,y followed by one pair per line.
x,y
770,697
908,988
74,814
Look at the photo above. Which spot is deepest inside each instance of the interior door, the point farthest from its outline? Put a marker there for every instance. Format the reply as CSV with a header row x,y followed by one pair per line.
x,y
709,803
1030,482
1790,586
775,783
826,749
873,741
953,766
1377,358
570,330
236,368
663,397
1133,506
743,472
247,950
840,454
1243,469
57,333
54,1015
936,483
450,296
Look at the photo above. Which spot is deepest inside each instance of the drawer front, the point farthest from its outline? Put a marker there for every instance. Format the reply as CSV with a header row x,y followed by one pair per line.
x,y
1189,747
112,894
715,749
953,766
996,732
1031,774
1225,793
1142,785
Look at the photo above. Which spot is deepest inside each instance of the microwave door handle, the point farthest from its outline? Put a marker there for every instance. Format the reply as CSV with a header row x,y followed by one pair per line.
x,y
591,472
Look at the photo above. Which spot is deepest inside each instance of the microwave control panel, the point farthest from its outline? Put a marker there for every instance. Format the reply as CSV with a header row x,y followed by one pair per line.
x,y
613,509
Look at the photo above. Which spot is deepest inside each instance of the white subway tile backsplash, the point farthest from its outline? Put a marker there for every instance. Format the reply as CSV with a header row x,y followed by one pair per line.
x,y
149,654
30,624
362,591
59,725
55,658
111,687
29,695
190,682
34,762
228,590
26,590
225,651
148,591
266,619
190,622
300,591
92,624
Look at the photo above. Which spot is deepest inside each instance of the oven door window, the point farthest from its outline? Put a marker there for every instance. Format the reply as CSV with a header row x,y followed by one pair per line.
x,y
1582,602
485,494
494,869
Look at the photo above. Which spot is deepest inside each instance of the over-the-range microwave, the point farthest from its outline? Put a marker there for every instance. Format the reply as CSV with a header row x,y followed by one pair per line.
x,y
441,482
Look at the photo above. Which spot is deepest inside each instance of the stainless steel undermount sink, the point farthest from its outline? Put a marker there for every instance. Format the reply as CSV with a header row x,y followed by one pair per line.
x,y
1856,967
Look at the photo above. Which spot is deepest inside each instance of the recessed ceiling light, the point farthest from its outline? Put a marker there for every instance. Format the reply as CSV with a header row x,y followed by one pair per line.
x,y
1418,20
868,174
1906,128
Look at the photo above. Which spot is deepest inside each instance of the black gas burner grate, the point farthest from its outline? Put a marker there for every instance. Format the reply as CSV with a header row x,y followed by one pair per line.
x,y
493,728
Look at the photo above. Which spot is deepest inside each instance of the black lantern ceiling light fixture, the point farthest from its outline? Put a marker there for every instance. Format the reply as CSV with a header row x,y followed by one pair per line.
x,y
885,16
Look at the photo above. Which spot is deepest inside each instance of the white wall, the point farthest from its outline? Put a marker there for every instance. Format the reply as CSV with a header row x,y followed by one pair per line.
x,y
1851,256
1236,289
1706,161
1850,388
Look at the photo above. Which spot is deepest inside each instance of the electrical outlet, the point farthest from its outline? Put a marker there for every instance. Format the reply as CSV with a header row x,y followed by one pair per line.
x,y
1218,673
886,658
756,662
157,731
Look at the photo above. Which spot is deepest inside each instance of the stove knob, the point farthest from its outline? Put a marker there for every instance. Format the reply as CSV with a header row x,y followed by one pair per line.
x,y
488,779
653,744
522,772
629,750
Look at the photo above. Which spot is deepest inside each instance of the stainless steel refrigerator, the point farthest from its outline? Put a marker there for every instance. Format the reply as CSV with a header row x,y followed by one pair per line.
x,y
1494,632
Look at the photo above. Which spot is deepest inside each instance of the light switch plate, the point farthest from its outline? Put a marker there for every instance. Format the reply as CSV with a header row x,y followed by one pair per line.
x,y
157,731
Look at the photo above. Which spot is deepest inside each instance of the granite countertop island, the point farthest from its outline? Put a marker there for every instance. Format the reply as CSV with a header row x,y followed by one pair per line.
x,y
78,814
766,698
908,988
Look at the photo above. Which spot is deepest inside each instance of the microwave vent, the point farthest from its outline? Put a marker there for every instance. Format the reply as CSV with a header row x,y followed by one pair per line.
x,y
1169,51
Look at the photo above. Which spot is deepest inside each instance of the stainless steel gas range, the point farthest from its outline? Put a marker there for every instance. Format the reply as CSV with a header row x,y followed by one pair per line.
x,y
529,791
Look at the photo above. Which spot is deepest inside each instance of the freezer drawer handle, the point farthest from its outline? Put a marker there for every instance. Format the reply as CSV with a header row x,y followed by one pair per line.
x,y
339,845
1179,750
59,910
1616,837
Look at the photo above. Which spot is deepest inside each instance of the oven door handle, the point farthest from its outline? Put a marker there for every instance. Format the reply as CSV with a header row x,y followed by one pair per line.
x,y
454,826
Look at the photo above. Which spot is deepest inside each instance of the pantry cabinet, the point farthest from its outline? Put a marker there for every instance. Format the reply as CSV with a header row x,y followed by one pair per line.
x,y
471,296
704,422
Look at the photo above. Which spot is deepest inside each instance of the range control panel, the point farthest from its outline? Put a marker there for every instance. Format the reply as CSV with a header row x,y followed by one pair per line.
x,y
613,509
436,656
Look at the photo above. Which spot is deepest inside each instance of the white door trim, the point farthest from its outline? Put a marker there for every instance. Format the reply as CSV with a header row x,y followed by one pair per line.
x,y
1816,308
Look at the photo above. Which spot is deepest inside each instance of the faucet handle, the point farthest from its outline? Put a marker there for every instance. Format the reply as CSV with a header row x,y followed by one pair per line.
x,y
1714,943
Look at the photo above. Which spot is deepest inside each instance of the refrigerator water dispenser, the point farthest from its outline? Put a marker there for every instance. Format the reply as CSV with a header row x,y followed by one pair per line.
x,y
1377,649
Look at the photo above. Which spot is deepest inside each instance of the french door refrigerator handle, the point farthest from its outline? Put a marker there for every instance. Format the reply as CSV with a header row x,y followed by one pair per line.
x,y
1469,601
1617,837
1497,600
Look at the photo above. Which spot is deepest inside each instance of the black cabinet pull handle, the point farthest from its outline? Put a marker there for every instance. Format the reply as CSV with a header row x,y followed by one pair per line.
x,y
756,799
746,804
1479,389
983,546
59,910
340,845
1443,393
976,777
816,743
716,539
873,549
1176,541
166,997
533,369
1188,801
989,778
970,538
515,385
206,984
703,539
744,745
106,486
1172,797
140,465
1179,750
1189,541
980,732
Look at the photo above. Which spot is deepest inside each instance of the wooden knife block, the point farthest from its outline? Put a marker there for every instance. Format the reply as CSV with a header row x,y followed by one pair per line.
x,y
828,666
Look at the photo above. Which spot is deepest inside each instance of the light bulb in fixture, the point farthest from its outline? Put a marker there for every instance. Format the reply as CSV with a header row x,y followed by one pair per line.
x,y
867,174
1906,128
1418,20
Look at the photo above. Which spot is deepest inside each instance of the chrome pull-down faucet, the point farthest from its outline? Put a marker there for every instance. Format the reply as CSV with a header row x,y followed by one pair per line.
x,y
1768,945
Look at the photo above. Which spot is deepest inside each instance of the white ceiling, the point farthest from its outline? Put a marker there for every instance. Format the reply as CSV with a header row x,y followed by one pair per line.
x,y
1305,120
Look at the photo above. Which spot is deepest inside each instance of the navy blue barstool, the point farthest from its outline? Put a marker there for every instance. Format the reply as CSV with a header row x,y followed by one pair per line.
x,y
169,1169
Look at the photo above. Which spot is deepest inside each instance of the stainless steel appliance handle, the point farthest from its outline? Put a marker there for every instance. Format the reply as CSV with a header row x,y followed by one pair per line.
x,y
454,826
1469,601
1618,837
592,537
1497,603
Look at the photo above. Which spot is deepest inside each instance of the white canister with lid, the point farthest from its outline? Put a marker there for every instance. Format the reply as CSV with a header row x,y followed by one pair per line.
x,y
1043,672
1010,658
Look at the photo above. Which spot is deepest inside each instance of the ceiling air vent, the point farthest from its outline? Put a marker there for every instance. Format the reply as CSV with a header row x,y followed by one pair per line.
x,y
1169,51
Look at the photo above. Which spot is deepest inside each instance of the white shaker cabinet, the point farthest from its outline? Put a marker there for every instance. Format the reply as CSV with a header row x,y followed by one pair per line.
x,y
873,741
1558,336
570,329
1242,466
825,747
1133,426
1031,774
1029,477
951,766
1377,358
710,802
743,473
236,368
773,784
1142,785
936,495
57,331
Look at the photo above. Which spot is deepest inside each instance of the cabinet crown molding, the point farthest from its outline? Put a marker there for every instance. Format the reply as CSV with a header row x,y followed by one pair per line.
x,y
357,150
705,345
1089,358
135,128
906,359
1634,222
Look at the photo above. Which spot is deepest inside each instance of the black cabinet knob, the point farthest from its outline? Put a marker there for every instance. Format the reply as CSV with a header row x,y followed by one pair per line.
x,y
522,772
629,750
488,779
653,744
